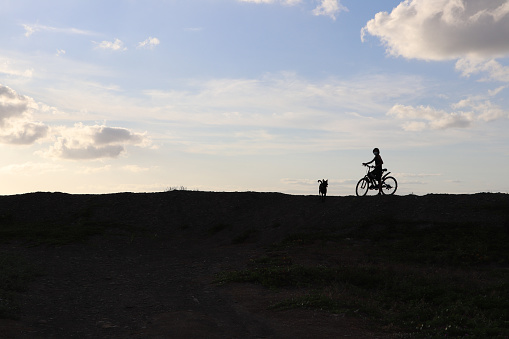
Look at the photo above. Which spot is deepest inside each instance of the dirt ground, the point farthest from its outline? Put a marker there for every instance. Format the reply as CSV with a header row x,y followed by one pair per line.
x,y
156,278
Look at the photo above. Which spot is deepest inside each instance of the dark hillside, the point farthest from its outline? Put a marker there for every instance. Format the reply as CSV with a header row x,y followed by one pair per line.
x,y
275,215
186,264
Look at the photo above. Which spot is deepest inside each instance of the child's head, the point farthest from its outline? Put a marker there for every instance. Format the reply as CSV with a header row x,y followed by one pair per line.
x,y
376,151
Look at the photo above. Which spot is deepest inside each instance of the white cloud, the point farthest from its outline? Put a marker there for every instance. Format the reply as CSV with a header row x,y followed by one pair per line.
x,y
281,100
314,182
12,104
116,45
258,1
291,181
284,2
444,29
23,133
10,67
193,29
83,142
259,135
429,117
103,135
31,29
135,168
417,175
94,170
329,8
16,124
279,111
482,105
150,43
31,168
495,71
466,112
79,142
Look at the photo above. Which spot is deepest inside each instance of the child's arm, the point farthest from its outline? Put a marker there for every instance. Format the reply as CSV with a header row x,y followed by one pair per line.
x,y
367,163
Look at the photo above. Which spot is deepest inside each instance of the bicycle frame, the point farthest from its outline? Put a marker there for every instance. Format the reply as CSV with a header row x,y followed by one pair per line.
x,y
372,179
373,184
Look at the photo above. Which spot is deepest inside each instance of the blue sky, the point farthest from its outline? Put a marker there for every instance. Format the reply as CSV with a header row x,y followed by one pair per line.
x,y
253,95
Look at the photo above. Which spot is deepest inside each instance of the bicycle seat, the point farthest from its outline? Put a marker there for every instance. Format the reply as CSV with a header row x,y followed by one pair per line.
x,y
384,170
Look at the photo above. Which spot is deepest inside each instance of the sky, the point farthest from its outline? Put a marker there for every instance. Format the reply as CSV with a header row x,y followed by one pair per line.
x,y
253,95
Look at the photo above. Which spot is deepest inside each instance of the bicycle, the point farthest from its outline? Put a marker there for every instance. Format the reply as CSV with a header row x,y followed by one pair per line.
x,y
369,184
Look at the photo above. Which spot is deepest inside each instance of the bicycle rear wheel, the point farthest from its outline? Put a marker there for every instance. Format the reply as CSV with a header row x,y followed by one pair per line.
x,y
389,186
362,187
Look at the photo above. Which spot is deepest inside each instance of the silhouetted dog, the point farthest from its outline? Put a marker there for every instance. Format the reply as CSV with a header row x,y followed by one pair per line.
x,y
322,189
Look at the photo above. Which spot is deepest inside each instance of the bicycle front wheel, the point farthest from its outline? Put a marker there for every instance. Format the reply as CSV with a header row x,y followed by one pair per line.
x,y
362,187
389,186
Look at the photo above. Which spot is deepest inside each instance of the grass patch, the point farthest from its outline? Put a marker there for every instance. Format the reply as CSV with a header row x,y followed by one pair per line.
x,y
15,274
463,244
51,233
445,279
74,228
245,236
218,228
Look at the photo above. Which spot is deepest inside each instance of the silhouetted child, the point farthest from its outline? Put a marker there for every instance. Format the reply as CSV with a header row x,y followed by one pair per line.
x,y
376,173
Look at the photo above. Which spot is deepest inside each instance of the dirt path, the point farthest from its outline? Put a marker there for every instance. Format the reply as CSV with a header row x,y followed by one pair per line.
x,y
116,287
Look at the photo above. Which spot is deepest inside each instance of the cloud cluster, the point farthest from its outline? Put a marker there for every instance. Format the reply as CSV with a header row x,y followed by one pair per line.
x,y
31,168
12,68
314,182
16,123
281,100
473,32
464,114
150,42
444,29
280,112
284,2
424,117
483,107
83,142
328,8
31,29
116,45
17,127
494,70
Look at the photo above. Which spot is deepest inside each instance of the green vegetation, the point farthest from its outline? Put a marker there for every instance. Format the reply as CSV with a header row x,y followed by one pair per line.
x,y
422,280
